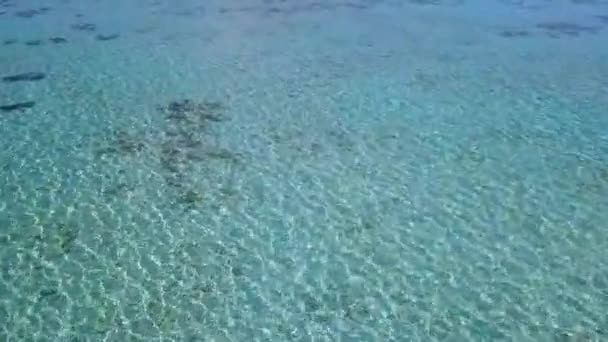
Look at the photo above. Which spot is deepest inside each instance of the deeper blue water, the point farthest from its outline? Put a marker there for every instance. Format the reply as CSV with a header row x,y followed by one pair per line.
x,y
357,170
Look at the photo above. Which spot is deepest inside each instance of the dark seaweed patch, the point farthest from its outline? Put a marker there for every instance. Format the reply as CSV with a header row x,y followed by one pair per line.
x,y
26,76
84,27
9,42
103,37
36,42
58,40
20,106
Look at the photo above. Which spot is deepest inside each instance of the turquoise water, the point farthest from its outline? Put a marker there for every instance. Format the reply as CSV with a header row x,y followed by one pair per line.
x,y
304,171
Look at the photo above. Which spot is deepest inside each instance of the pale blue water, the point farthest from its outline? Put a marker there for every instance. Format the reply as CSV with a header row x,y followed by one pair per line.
x,y
343,170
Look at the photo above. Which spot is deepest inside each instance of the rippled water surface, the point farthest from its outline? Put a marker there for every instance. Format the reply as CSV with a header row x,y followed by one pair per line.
x,y
363,170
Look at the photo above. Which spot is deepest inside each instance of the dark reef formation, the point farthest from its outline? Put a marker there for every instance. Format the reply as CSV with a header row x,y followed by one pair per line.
x,y
184,143
180,144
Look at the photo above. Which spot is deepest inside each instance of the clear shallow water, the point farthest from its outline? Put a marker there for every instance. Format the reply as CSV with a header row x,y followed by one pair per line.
x,y
352,171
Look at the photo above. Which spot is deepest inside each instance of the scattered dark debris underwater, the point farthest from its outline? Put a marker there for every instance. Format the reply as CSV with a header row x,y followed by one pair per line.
x,y
179,144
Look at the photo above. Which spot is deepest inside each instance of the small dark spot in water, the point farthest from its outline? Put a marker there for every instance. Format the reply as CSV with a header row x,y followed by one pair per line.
x,y
58,40
103,37
2,12
36,42
84,27
26,76
21,106
79,15
9,41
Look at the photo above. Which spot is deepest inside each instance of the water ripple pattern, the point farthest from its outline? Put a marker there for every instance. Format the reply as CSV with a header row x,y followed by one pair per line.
x,y
346,170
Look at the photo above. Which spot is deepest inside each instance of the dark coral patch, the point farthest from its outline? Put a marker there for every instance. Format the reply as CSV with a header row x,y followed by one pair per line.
x,y
9,41
20,106
26,76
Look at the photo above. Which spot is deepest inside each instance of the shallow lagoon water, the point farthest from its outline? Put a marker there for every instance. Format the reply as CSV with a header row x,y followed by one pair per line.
x,y
303,171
